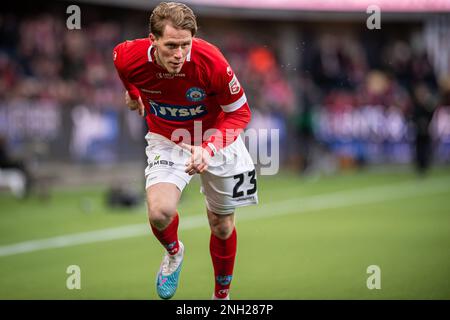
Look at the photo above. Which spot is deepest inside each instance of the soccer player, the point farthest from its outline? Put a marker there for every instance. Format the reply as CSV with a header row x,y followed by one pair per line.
x,y
195,109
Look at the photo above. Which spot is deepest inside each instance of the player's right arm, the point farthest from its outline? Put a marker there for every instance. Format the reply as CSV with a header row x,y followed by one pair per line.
x,y
135,104
132,97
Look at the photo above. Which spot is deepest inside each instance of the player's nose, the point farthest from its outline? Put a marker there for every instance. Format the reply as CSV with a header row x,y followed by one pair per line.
x,y
179,53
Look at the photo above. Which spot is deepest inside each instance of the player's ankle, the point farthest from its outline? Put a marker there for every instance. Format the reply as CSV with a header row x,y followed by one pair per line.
x,y
221,293
217,296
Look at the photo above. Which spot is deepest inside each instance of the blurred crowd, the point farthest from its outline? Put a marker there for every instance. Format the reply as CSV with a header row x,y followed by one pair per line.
x,y
45,67
359,98
41,60
375,98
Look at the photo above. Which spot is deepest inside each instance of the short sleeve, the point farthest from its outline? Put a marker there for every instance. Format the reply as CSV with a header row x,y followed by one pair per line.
x,y
119,62
225,83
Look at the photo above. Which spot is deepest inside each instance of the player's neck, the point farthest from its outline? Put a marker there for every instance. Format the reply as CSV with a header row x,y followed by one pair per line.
x,y
157,60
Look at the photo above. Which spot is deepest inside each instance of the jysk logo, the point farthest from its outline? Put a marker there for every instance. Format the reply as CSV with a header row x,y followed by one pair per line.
x,y
177,113
195,94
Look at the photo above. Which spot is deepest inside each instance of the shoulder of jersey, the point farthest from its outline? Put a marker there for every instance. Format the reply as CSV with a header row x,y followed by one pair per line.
x,y
206,54
131,53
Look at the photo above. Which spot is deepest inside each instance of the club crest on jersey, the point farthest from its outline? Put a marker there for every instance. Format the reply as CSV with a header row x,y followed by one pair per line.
x,y
195,94
177,113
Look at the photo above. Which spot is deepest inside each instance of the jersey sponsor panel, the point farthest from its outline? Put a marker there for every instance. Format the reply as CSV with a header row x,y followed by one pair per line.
x,y
177,113
205,88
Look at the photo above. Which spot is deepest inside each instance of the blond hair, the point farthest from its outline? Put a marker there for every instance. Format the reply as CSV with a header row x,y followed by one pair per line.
x,y
179,15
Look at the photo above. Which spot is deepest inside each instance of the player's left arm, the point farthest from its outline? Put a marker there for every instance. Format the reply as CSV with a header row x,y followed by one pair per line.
x,y
227,131
235,109
236,116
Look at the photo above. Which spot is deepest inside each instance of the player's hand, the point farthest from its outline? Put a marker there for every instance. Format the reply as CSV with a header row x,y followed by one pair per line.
x,y
135,104
199,160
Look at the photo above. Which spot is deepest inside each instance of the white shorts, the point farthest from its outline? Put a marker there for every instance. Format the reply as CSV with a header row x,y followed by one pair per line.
x,y
229,182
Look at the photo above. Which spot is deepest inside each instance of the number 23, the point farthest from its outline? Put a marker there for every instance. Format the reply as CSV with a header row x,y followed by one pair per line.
x,y
240,178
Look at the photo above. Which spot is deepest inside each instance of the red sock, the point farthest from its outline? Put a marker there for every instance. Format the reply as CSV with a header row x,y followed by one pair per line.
x,y
169,236
223,253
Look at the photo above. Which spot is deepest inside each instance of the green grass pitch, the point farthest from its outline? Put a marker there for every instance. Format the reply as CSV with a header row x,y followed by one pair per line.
x,y
307,239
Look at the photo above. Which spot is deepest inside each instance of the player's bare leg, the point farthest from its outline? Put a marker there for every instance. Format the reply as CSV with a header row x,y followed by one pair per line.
x,y
162,200
223,251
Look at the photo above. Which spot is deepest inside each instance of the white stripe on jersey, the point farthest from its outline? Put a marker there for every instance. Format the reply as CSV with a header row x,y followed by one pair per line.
x,y
213,148
188,58
235,105
149,53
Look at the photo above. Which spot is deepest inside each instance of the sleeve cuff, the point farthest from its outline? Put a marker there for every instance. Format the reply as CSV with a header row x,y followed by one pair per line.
x,y
134,94
211,148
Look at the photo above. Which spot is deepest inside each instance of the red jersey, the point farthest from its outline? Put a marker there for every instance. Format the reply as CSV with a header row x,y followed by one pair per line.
x,y
206,89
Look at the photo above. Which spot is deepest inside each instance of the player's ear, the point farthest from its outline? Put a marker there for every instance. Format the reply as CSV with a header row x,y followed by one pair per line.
x,y
152,37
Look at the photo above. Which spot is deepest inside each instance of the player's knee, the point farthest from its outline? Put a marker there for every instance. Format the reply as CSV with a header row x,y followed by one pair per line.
x,y
221,227
160,214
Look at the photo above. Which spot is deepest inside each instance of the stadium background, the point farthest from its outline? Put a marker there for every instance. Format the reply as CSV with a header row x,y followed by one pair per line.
x,y
351,105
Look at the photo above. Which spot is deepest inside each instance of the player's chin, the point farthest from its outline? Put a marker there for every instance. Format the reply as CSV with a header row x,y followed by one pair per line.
x,y
174,71
175,68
